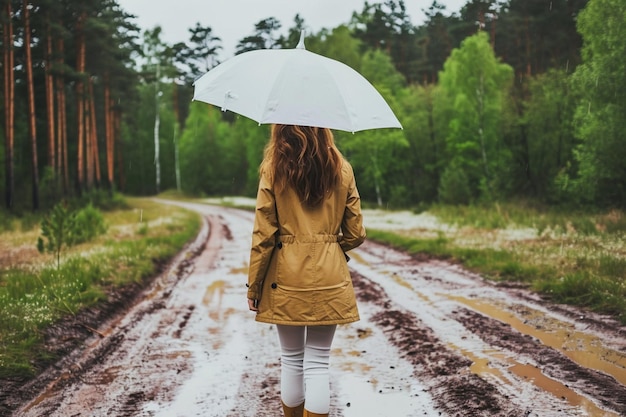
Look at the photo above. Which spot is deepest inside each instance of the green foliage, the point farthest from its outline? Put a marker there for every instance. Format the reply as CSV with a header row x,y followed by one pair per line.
x,y
57,229
63,228
519,144
547,136
375,155
215,154
255,138
201,54
474,86
600,115
88,224
339,45
378,69
454,187
101,199
422,162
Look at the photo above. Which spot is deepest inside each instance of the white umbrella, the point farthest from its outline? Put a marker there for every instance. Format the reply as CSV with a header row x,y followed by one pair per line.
x,y
295,87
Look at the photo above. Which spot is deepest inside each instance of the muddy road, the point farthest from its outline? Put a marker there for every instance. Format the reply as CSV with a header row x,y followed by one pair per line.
x,y
433,340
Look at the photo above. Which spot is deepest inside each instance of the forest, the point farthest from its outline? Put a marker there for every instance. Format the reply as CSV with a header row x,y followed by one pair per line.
x,y
505,100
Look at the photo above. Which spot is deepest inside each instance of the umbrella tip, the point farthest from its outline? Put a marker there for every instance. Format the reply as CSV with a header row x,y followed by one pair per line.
x,y
300,44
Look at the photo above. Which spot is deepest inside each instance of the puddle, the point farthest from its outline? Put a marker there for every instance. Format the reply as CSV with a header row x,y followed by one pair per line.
x,y
481,367
559,390
215,290
242,270
584,349
176,354
213,297
362,397
50,392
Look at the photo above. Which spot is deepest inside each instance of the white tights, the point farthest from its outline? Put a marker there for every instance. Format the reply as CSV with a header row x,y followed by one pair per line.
x,y
305,354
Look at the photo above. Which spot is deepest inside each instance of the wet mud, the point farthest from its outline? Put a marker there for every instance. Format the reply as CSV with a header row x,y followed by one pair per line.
x,y
600,386
452,387
434,340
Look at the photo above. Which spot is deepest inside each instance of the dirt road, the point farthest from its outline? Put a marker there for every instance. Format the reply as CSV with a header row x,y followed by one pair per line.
x,y
433,340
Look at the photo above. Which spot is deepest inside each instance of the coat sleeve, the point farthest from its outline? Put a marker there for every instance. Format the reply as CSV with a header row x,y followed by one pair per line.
x,y
353,232
263,237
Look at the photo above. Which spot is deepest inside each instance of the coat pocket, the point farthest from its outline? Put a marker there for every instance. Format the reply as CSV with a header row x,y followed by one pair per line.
x,y
307,266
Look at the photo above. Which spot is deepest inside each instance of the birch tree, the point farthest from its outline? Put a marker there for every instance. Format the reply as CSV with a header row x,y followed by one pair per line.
x,y
475,85
600,120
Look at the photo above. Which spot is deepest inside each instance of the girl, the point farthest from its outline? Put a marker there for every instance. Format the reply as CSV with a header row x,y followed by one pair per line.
x,y
308,215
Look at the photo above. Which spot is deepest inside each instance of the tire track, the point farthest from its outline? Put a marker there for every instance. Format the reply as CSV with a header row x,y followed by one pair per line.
x,y
440,368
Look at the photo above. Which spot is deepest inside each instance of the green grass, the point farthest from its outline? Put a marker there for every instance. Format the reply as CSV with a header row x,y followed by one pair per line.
x,y
34,296
574,257
526,214
494,264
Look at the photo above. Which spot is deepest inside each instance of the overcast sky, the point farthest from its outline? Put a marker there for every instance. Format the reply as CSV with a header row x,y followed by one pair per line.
x,y
232,20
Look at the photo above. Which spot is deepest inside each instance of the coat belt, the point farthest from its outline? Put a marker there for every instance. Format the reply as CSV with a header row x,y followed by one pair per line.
x,y
308,238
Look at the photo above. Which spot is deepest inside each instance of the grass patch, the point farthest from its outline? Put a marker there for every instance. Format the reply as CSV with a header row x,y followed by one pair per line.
x,y
526,214
494,264
141,236
573,257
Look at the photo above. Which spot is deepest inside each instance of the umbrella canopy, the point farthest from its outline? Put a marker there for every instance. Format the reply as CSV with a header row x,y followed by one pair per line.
x,y
295,87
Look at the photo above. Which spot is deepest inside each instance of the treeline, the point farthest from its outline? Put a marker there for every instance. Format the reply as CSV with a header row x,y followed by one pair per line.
x,y
505,99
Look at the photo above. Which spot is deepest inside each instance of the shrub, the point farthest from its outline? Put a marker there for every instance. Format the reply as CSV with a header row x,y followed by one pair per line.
x,y
57,229
88,224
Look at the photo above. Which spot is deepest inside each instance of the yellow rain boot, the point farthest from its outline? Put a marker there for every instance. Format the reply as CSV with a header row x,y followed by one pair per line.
x,y
310,414
293,411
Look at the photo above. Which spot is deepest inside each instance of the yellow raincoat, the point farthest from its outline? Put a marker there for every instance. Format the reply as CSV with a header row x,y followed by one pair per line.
x,y
298,267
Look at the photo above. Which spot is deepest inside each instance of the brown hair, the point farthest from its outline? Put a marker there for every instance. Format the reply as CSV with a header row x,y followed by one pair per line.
x,y
304,158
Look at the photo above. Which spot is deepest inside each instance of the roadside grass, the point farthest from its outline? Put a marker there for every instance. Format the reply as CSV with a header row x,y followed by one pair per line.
x,y
34,293
573,257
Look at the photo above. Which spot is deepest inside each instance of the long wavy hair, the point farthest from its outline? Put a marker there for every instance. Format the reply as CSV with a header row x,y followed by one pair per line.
x,y
304,158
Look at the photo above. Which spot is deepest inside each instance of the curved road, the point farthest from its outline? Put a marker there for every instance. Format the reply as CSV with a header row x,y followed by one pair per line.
x,y
433,340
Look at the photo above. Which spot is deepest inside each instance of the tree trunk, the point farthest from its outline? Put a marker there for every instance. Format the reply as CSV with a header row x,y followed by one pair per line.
x,y
177,123
88,138
9,99
32,129
157,122
62,163
52,157
529,58
94,134
80,102
176,159
120,160
108,132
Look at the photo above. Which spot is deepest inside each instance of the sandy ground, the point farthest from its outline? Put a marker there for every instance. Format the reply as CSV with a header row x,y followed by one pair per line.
x,y
433,340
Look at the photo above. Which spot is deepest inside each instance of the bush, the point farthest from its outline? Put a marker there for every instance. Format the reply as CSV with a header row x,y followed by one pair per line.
x,y
64,227
57,230
88,224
